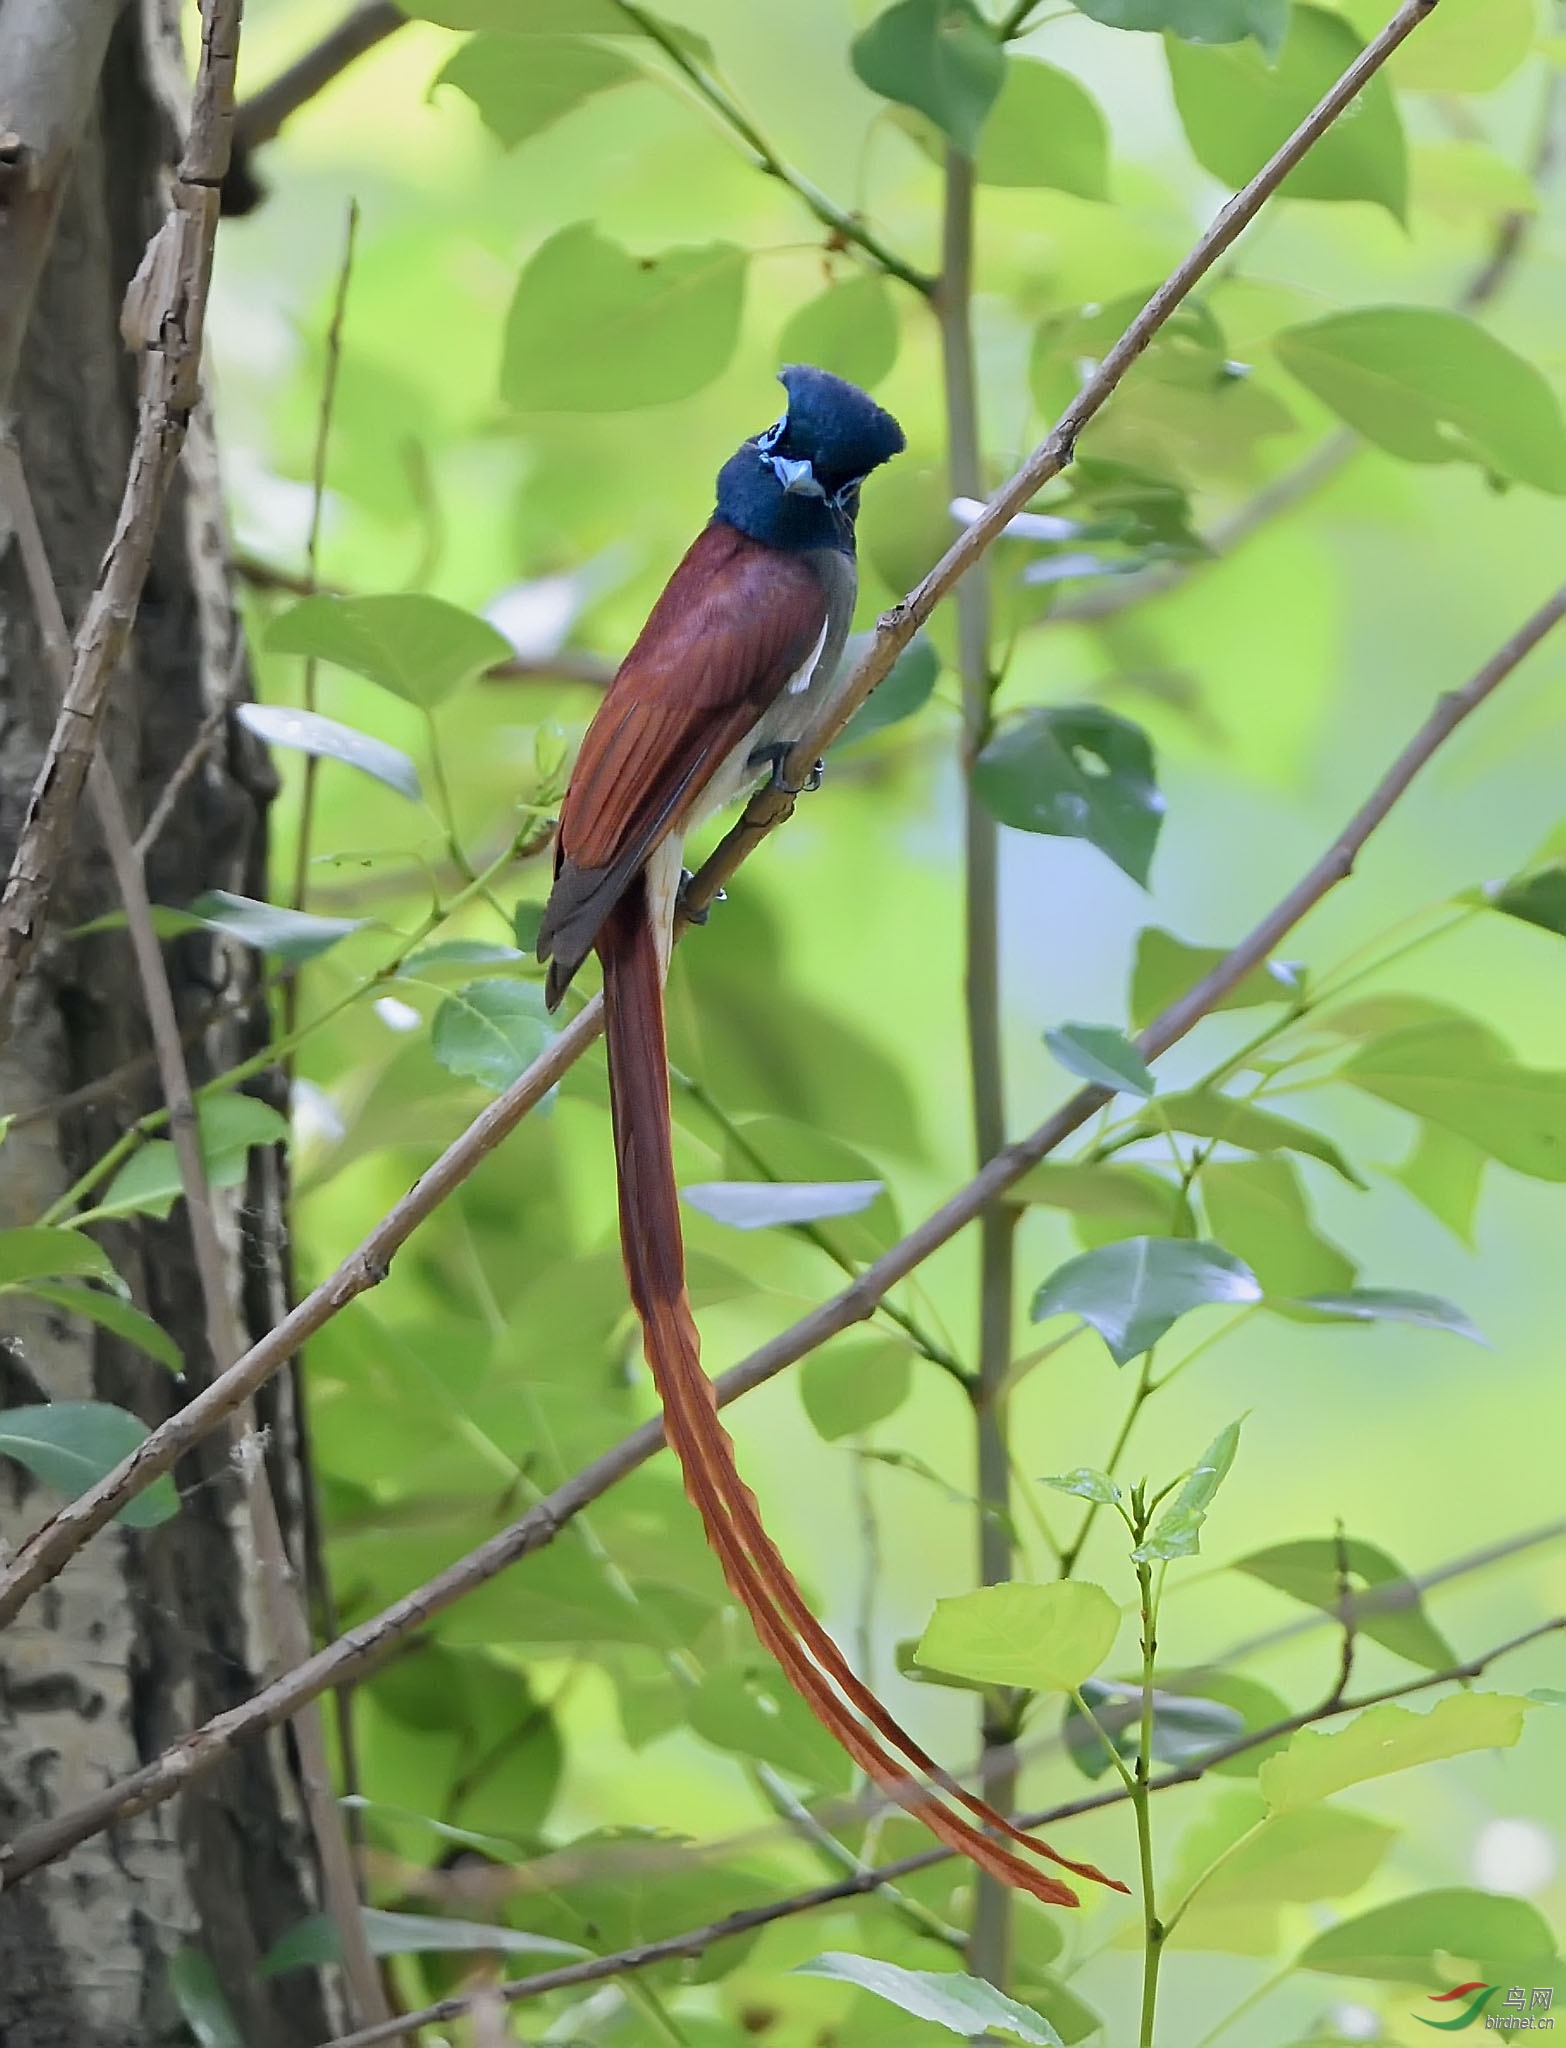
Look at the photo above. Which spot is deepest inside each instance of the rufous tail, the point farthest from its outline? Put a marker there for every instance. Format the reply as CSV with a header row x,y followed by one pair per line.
x,y
757,1575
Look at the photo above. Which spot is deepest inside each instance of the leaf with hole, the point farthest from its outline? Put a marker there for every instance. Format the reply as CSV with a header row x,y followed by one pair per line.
x,y
904,691
1237,108
1135,1291
851,329
420,648
1166,968
766,1204
1177,1532
1308,1570
938,56
307,732
522,85
1198,21
1044,1638
70,1445
1384,1739
1430,385
1076,772
1102,1056
962,2005
491,1031
593,328
118,1317
849,1388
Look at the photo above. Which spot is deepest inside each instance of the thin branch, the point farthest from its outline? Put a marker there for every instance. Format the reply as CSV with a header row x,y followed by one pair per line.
x,y
697,1941
281,1604
897,627
260,116
261,574
162,320
46,1553
845,227
566,665
43,1555
51,52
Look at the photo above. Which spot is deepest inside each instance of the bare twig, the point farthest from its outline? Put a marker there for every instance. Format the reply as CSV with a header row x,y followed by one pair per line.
x,y
696,1942
47,1550
162,320
51,52
261,574
210,732
260,116
897,627
281,1603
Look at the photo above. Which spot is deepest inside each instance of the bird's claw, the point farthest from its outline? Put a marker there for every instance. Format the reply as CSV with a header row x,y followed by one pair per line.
x,y
777,757
682,908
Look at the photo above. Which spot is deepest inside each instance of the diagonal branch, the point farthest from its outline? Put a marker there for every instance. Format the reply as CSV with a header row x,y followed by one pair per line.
x,y
162,320
354,1653
696,1942
46,1552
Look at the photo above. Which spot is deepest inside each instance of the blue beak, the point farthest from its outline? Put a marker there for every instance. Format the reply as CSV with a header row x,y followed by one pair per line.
x,y
797,478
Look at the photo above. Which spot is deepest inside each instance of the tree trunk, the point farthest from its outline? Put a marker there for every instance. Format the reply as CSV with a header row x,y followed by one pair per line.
x,y
147,1633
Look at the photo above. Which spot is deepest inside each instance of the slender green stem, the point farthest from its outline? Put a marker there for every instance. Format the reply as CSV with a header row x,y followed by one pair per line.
x,y
1104,1736
1015,23
1154,1931
846,227
1145,1386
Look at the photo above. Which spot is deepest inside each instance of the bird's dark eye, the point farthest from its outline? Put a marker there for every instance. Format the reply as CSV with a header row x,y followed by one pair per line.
x,y
770,439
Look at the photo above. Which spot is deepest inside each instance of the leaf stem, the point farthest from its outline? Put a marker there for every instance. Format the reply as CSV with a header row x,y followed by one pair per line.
x,y
1154,1931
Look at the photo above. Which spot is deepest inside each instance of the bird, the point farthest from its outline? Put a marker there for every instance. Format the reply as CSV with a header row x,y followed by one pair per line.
x,y
738,654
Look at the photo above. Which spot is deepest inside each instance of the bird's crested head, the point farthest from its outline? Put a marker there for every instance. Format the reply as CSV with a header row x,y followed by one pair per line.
x,y
797,484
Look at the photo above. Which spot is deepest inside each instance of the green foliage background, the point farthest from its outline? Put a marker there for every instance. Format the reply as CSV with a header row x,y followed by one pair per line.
x,y
602,1685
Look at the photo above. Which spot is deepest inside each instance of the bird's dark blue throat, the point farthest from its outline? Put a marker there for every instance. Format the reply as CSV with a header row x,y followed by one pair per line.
x,y
796,486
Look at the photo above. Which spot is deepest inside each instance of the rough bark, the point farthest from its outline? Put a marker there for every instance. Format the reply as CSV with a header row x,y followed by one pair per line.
x,y
146,1633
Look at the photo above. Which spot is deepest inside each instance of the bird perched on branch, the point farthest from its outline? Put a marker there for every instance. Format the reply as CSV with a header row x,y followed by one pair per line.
x,y
739,653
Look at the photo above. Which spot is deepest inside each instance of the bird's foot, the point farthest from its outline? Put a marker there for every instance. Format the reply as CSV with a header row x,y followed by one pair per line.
x,y
682,909
776,756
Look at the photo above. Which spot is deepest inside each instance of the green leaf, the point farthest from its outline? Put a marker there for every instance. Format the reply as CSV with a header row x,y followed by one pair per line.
x,y
420,648
115,1315
766,1204
293,936
520,85
314,1941
1444,1172
752,1710
281,725
1177,1532
1166,968
1394,1305
1257,1707
1185,1727
1102,1055
1076,772
1538,898
1386,1739
1087,1483
491,1031
851,330
1198,21
1108,1202
551,18
1432,386
1318,1852
1258,1209
149,1182
906,690
1134,1291
851,1388
962,2005
70,1445
937,56
1307,1570
1455,1074
1045,129
1400,1943
38,1252
1237,110
593,328
1045,1638
1205,1113
201,2000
